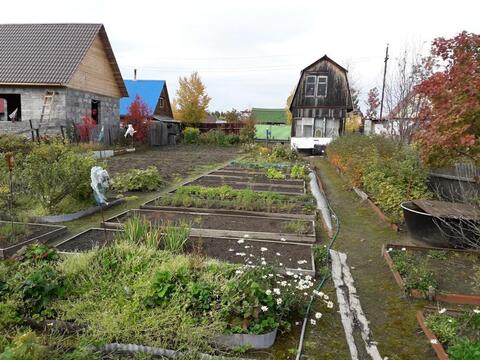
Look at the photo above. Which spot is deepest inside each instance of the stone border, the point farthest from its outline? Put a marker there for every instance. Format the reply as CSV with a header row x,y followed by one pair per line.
x,y
452,298
113,223
57,230
76,215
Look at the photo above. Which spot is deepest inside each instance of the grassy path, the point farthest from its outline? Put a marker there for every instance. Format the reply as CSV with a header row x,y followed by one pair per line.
x,y
392,317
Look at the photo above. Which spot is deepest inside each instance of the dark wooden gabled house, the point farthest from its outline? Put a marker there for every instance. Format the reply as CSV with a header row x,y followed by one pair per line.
x,y
320,104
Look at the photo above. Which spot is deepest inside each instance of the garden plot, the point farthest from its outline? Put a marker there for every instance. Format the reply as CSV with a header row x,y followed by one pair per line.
x,y
447,275
223,225
225,197
279,188
88,240
21,234
292,257
452,332
260,179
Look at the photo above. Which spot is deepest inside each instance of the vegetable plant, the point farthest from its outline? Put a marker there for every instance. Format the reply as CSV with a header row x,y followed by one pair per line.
x,y
148,179
275,174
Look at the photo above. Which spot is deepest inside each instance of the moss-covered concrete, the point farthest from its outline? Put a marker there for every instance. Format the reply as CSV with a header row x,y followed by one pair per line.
x,y
392,317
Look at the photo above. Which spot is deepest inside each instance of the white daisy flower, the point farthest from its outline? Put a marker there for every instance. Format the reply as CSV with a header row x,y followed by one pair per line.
x,y
318,315
441,311
264,308
268,292
313,321
279,301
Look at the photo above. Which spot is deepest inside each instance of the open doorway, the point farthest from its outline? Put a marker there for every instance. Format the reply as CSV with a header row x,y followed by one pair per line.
x,y
95,110
12,107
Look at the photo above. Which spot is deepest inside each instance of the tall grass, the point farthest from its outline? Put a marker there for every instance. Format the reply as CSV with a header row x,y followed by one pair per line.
x,y
175,236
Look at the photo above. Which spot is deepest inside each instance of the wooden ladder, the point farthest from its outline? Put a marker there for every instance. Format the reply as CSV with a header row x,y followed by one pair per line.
x,y
47,105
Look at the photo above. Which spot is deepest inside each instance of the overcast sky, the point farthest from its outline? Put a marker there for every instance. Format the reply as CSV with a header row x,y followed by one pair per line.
x,y
250,53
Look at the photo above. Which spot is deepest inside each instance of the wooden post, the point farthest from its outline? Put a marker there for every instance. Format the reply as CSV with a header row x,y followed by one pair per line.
x,y
10,163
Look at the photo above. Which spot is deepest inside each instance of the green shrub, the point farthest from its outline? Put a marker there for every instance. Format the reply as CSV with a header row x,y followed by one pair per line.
x,y
53,172
218,137
248,132
275,174
283,152
464,349
138,180
191,135
298,172
387,171
15,143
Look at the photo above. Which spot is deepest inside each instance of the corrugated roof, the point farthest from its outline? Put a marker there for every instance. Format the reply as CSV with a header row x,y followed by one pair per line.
x,y
269,116
148,90
48,53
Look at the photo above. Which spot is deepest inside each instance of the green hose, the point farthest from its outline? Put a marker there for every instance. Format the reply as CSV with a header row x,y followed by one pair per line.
x,y
322,281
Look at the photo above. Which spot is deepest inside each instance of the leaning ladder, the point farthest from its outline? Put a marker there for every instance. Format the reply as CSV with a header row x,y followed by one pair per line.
x,y
47,106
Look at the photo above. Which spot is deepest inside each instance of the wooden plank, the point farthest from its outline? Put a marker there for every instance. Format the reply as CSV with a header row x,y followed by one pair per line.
x,y
345,313
444,209
253,234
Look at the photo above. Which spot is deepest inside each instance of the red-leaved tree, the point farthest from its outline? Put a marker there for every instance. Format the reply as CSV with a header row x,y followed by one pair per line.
x,y
373,103
450,119
139,116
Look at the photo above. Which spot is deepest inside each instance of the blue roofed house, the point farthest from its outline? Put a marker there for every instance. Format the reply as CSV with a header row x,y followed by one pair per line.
x,y
154,93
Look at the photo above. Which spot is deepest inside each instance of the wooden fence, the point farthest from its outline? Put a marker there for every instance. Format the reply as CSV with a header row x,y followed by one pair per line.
x,y
460,182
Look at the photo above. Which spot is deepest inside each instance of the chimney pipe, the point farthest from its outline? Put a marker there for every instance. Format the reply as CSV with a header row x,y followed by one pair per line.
x,y
134,74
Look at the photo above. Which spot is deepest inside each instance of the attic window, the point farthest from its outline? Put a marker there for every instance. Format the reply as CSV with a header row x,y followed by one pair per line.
x,y
310,85
322,86
160,102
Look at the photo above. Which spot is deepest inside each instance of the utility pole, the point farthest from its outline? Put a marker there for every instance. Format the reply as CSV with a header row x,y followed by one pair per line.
x,y
383,86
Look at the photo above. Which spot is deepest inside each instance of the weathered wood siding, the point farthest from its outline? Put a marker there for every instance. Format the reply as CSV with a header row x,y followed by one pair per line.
x,y
166,109
95,73
338,93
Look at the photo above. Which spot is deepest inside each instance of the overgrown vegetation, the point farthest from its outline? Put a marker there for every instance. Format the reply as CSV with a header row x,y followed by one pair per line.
x,y
387,171
213,137
228,198
275,174
414,270
148,179
458,333
298,172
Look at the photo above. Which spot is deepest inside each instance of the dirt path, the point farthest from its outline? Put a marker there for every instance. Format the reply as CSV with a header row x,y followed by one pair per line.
x,y
392,317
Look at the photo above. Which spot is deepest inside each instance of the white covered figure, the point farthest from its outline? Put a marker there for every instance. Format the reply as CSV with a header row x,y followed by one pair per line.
x,y
100,183
130,130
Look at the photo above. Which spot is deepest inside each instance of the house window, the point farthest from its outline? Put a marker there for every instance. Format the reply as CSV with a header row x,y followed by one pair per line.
x,y
10,107
310,86
160,102
322,86
304,127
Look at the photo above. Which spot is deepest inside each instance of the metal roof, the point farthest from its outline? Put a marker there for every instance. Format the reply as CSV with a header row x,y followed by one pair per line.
x,y
269,116
48,54
148,90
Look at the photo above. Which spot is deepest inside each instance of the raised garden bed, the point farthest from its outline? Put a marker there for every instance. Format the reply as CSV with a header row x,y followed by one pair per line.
x,y
223,225
454,273
292,257
455,322
152,205
261,179
279,188
288,205
87,240
24,234
76,215
288,256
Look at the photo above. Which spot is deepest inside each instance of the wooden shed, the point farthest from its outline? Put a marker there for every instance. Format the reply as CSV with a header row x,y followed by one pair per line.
x,y
320,104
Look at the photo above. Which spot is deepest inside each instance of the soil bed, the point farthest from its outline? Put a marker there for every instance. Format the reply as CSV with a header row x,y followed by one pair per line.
x,y
287,205
25,233
455,271
171,161
281,189
243,225
291,256
253,178
87,240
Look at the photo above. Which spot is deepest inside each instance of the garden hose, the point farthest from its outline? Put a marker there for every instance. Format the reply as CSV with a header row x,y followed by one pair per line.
x,y
322,281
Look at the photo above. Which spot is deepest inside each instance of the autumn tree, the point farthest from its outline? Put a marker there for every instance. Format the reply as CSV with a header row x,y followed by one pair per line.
x,y
450,120
191,102
287,107
139,116
373,103
232,116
